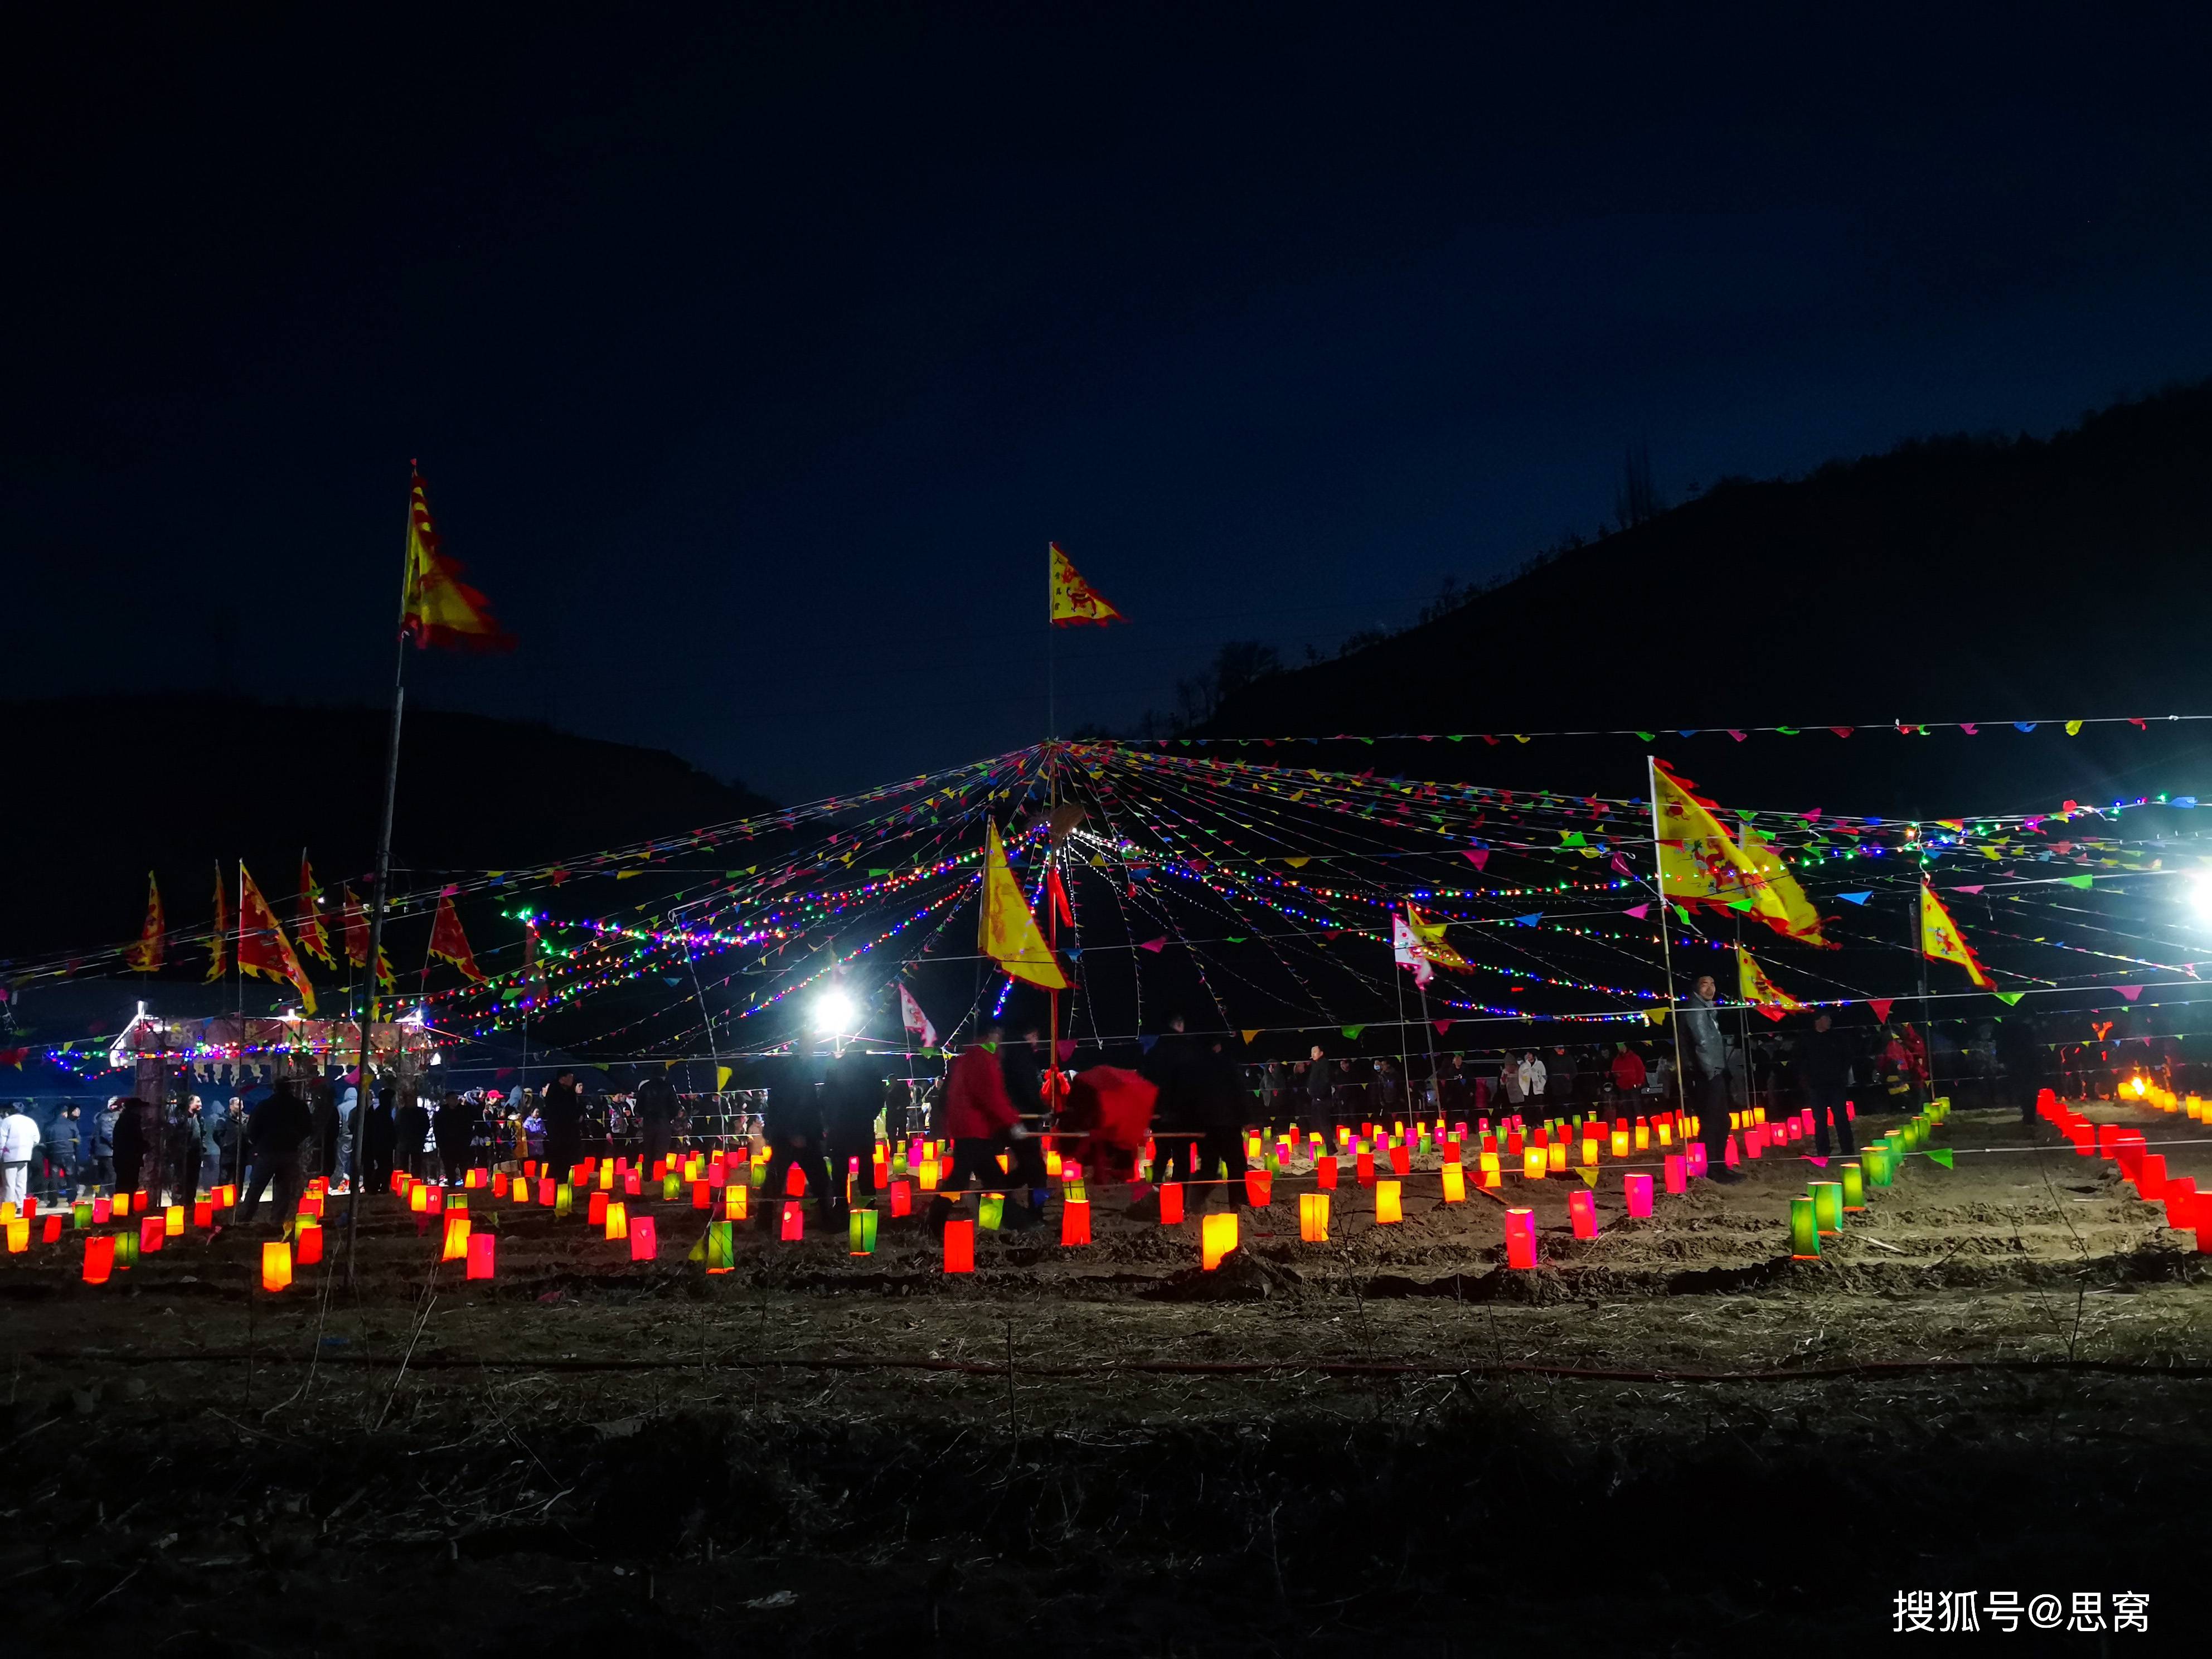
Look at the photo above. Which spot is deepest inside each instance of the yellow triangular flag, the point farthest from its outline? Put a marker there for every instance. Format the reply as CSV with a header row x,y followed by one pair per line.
x,y
1249,1035
1939,939
1005,930
1762,993
722,1075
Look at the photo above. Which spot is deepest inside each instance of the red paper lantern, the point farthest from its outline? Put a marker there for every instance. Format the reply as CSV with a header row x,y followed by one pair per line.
x,y
959,1246
1170,1203
644,1245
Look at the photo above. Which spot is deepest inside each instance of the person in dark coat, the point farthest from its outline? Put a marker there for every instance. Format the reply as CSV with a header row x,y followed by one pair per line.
x,y
128,1138
413,1122
380,1142
190,1135
323,1110
99,1147
213,1125
451,1127
792,1125
1824,1068
1321,1088
656,1117
277,1131
1221,1104
1173,1066
851,1095
562,1113
62,1155
2021,1053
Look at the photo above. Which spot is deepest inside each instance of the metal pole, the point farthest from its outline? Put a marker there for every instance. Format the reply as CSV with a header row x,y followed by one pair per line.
x,y
381,883
1666,945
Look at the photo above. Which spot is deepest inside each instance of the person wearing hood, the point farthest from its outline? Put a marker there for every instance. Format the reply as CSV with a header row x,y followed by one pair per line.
x,y
99,1146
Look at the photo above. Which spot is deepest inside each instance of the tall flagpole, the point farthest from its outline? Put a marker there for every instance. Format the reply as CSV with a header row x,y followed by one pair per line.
x,y
383,877
1667,945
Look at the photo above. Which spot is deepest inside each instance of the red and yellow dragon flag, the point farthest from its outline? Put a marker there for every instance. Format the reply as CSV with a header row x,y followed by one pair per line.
x,y
1075,603
441,608
354,921
220,962
145,956
1700,863
1006,931
262,947
1941,941
449,943
314,937
1760,992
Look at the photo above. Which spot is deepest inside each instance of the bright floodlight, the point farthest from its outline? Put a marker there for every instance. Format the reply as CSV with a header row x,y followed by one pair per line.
x,y
2200,895
833,1013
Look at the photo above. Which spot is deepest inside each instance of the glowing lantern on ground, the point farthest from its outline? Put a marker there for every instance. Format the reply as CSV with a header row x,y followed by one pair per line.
x,y
1877,1162
702,1195
1698,1158
19,1235
1677,1173
473,1178
1325,1173
1313,1217
1854,1187
644,1239
1532,1163
152,1232
1259,1186
618,1221
960,1247
1170,1203
737,1201
1388,1207
1804,1230
1217,1237
1642,1134
482,1246
1582,1210
1589,1154
1520,1238
418,1198
1363,1169
991,1212
81,1215
721,1248
307,1241
1555,1155
793,1227
50,1229
399,1179
928,1177
1075,1222
173,1221
595,1211
902,1199
1455,1184
860,1233
671,1189
456,1247
1637,1189
99,1257
606,1177
204,1213
1620,1143
126,1248
564,1200
1401,1158
276,1266
2151,1176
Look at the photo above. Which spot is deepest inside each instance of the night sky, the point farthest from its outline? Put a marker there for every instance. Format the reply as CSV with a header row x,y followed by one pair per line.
x,y
752,363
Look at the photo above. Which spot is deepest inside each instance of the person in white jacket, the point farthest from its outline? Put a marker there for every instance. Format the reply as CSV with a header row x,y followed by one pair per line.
x,y
1532,1079
19,1143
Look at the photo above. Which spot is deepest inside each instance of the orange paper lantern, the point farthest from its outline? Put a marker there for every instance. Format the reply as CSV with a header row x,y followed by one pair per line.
x,y
276,1266
1217,1238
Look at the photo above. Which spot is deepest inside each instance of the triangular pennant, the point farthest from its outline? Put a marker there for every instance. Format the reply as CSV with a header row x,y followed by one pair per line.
x,y
1941,1154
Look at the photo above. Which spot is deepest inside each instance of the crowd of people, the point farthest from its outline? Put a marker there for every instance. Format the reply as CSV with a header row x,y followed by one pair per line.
x,y
823,1113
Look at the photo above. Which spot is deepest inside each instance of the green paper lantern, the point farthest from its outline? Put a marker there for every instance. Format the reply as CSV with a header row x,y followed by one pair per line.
x,y
564,1198
81,1216
1804,1230
1828,1206
126,1248
1880,1164
669,1188
721,1247
861,1232
993,1211
1854,1187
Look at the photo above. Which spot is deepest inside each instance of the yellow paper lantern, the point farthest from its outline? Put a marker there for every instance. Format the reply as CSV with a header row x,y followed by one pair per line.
x,y
276,1266
456,1237
1620,1143
1217,1237
618,1221
1313,1217
1455,1184
1555,1155
1387,1205
1532,1163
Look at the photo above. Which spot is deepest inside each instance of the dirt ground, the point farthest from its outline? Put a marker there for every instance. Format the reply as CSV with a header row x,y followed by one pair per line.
x,y
1671,1438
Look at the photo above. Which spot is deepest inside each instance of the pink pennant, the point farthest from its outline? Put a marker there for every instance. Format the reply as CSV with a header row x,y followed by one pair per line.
x,y
1155,945
1621,865
1443,1026
1822,1162
1639,911
1813,816
1968,727
1880,1005
1976,888
1478,857
1737,735
2130,991
1066,1047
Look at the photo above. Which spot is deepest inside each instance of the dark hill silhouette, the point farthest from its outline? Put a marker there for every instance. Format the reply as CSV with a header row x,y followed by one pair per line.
x,y
1953,579
123,784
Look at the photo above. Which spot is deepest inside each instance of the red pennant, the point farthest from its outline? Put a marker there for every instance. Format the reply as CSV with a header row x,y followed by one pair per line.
x,y
1880,1006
